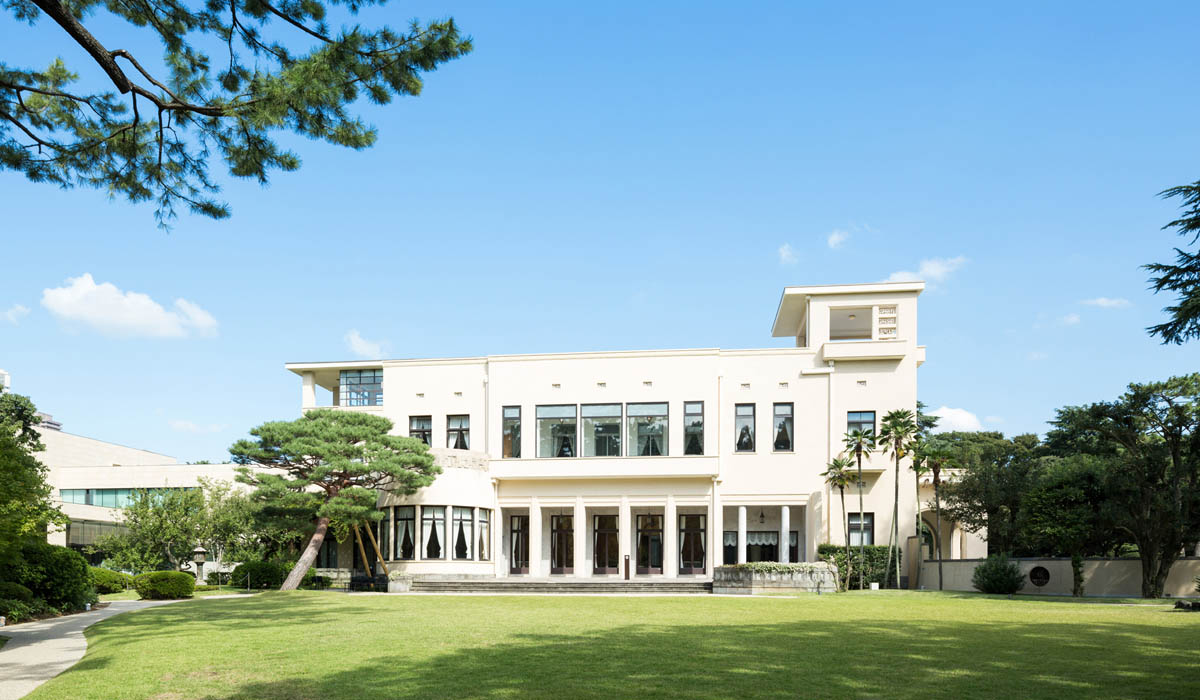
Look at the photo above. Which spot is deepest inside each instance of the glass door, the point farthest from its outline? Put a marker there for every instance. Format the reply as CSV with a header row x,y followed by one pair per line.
x,y
562,544
650,544
606,551
519,539
691,544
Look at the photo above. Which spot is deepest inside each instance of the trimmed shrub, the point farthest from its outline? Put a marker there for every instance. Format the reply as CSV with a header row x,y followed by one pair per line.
x,y
876,563
998,575
216,578
15,610
207,587
57,575
164,585
109,581
774,567
262,574
15,591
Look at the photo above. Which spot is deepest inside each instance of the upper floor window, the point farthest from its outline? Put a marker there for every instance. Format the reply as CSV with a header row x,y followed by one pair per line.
x,y
511,432
850,323
784,427
648,425
421,427
361,387
556,431
601,429
860,420
693,427
458,432
743,427
864,533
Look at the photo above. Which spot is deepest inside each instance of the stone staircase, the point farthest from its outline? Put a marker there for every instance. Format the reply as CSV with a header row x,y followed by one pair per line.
x,y
552,586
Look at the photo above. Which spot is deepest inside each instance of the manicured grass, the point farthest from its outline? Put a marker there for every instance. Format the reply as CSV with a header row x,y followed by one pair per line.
x,y
317,645
132,594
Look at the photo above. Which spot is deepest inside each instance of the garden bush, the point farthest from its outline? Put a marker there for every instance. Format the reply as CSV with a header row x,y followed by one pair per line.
x,y
876,563
109,581
57,575
262,574
15,591
164,585
216,578
318,582
998,575
207,587
773,567
15,610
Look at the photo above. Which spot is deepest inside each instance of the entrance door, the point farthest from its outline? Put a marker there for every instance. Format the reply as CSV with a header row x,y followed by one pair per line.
x,y
650,544
606,553
691,544
562,544
519,537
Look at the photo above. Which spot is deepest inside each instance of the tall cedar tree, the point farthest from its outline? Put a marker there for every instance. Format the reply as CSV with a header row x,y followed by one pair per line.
x,y
1153,496
335,461
1183,277
996,473
145,129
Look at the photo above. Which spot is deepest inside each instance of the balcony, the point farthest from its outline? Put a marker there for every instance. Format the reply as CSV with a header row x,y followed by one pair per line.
x,y
850,350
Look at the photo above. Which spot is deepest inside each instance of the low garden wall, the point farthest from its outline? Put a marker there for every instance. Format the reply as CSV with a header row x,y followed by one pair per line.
x,y
766,577
1120,578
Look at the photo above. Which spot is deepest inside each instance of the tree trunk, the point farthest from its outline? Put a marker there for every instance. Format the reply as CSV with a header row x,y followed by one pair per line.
x,y
937,506
375,546
896,519
292,582
362,552
846,530
862,541
1077,575
920,545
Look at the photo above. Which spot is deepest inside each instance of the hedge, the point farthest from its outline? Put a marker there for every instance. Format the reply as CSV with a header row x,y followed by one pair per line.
x,y
268,574
15,591
164,585
772,567
109,581
57,575
876,562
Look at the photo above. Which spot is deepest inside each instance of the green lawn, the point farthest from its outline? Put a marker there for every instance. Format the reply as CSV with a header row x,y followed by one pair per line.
x,y
317,645
132,594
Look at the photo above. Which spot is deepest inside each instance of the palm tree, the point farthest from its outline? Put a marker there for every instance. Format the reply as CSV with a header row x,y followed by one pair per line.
x,y
860,442
896,433
938,456
838,475
920,446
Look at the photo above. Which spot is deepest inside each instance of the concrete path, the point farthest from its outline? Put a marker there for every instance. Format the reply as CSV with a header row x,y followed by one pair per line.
x,y
38,651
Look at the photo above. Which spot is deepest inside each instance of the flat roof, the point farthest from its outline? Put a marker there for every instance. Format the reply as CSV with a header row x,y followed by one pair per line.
x,y
792,303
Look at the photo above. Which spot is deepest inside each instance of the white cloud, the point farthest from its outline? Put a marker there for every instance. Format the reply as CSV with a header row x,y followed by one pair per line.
x,y
837,238
109,310
1107,303
787,256
14,313
187,426
1070,320
929,270
959,419
366,349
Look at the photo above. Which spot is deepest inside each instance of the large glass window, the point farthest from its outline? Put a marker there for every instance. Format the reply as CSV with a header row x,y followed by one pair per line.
x,y
511,432
463,532
556,431
729,547
421,427
485,534
107,498
691,544
458,432
601,430
783,428
743,427
762,546
647,429
794,554
327,555
433,531
693,427
605,551
864,534
562,544
649,544
406,532
860,420
383,530
361,387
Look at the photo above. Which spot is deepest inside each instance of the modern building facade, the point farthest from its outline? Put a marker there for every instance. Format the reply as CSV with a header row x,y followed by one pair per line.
x,y
655,464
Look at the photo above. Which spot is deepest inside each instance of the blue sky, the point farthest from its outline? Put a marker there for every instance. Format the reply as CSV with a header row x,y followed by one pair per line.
x,y
620,176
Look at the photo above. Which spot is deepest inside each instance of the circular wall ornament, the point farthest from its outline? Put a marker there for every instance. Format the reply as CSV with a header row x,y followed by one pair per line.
x,y
1039,576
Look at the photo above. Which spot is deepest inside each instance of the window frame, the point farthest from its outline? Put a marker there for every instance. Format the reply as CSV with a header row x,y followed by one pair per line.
x,y
414,522
514,445
869,516
455,512
483,521
370,397
464,432
687,426
859,423
538,426
791,416
426,435
631,446
441,538
583,434
753,428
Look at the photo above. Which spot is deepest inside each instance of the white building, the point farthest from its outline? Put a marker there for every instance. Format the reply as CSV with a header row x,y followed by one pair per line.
x,y
669,462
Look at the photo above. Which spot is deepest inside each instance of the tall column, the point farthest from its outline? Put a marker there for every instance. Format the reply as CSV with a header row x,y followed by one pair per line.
x,y
448,531
308,391
785,531
716,530
741,534
624,537
670,539
580,520
535,538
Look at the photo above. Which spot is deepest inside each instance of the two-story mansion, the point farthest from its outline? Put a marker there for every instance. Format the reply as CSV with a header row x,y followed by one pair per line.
x,y
668,462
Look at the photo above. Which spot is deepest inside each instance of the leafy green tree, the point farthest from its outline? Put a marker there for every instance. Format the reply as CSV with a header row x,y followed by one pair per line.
x,y
1182,277
26,509
860,442
896,433
19,420
995,474
336,461
161,529
1153,493
837,475
1065,512
145,129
